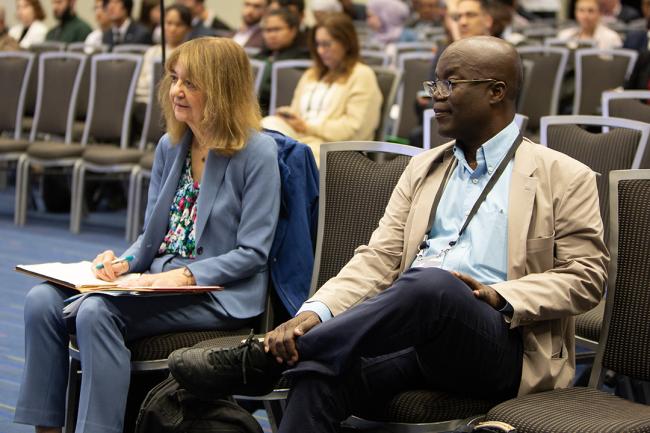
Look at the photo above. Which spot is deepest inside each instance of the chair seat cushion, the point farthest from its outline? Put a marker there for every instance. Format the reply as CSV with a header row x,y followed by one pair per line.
x,y
588,324
9,145
146,161
49,150
584,410
109,155
426,406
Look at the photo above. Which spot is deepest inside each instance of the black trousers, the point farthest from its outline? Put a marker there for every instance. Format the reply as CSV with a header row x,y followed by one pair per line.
x,y
427,331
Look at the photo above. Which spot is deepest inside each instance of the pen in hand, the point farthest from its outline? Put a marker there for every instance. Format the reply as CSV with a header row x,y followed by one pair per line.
x,y
116,261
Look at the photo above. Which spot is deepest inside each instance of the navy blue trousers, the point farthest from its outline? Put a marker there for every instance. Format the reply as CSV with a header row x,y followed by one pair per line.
x,y
104,324
427,331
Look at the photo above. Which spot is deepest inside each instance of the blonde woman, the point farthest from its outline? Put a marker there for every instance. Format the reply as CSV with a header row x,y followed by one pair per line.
x,y
338,98
211,215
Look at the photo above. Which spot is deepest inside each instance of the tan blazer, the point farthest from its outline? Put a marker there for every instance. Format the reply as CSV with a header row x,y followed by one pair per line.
x,y
557,259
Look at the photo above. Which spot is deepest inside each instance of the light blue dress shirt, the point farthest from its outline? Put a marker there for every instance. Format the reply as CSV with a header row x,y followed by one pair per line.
x,y
482,250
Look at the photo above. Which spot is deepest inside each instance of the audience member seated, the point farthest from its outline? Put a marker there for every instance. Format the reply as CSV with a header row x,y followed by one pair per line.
x,y
204,22
322,8
103,21
590,28
482,308
356,11
7,43
297,7
338,98
429,13
213,205
638,39
502,13
123,29
178,23
31,29
387,20
150,18
472,18
281,42
71,28
613,11
249,34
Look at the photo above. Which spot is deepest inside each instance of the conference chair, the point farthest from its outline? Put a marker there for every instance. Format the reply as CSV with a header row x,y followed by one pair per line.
x,y
621,147
82,47
624,343
402,48
252,51
59,76
570,44
388,81
285,75
112,88
598,70
541,93
375,58
258,67
15,70
629,104
152,130
131,48
537,35
416,68
431,137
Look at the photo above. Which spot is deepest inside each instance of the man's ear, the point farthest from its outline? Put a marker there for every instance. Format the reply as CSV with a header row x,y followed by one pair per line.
x,y
497,92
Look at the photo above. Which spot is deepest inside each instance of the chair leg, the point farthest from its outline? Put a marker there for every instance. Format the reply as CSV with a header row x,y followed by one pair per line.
x,y
22,190
76,197
274,410
72,400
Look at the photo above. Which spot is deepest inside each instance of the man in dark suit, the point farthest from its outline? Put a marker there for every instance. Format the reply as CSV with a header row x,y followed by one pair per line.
x,y
124,30
250,32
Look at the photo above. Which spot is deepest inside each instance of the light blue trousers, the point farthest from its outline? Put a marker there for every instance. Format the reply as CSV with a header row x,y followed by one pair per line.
x,y
103,325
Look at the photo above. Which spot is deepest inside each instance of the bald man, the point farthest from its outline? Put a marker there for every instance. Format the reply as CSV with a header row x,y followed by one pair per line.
x,y
488,247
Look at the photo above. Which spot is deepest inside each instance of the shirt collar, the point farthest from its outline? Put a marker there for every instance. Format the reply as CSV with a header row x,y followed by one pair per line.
x,y
490,154
124,27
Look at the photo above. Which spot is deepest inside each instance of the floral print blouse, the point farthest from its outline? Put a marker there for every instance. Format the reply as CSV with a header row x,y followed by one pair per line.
x,y
181,239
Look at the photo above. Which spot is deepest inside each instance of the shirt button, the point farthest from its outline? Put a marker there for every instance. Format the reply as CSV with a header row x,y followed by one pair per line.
x,y
474,181
199,250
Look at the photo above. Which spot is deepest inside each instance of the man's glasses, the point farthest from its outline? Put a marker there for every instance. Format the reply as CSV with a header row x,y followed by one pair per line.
x,y
445,87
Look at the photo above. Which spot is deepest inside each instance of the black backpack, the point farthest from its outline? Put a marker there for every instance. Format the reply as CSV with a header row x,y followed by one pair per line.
x,y
170,409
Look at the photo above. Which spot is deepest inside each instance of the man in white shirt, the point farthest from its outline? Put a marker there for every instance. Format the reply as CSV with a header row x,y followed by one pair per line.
x,y
124,30
590,28
250,32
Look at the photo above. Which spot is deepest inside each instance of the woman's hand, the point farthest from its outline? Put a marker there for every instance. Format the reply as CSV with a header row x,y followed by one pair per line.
x,y
110,271
174,278
292,118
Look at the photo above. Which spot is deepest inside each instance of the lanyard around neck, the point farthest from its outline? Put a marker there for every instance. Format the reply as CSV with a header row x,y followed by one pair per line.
x,y
481,198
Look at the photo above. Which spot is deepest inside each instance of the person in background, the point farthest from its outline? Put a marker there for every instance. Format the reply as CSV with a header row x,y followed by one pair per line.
x,y
281,42
123,29
94,39
338,98
212,209
178,24
249,33
590,28
204,22
321,8
150,18
502,13
7,43
71,28
429,13
638,39
30,29
356,11
613,11
387,20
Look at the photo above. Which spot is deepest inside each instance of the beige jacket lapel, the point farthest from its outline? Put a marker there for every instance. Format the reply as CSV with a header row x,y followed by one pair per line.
x,y
520,209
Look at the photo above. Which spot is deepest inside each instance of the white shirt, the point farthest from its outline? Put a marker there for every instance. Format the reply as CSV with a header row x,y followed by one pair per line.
x,y
242,36
315,99
35,34
605,38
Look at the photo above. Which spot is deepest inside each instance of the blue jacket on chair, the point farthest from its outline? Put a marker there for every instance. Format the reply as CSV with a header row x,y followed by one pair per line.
x,y
292,253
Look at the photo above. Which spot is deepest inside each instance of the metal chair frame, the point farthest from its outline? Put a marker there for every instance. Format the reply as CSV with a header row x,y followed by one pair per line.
x,y
626,94
387,103
275,70
131,48
402,59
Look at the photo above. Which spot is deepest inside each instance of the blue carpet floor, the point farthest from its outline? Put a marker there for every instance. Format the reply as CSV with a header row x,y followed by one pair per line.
x,y
45,238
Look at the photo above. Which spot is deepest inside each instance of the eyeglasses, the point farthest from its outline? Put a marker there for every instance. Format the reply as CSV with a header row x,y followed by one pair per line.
x,y
445,87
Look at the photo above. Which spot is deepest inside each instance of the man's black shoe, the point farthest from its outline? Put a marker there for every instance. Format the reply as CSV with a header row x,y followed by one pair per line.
x,y
216,373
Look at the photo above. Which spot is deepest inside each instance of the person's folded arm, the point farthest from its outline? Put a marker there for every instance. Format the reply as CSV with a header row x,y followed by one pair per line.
x,y
577,279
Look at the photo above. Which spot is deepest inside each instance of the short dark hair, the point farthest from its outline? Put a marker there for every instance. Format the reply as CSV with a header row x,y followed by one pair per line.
x,y
299,4
128,5
183,12
285,15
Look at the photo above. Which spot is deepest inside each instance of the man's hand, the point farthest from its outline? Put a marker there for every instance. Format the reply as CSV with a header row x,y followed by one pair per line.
x,y
485,293
281,342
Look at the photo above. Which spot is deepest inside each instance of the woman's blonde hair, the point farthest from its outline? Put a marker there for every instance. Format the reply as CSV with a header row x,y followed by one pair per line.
x,y
220,69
